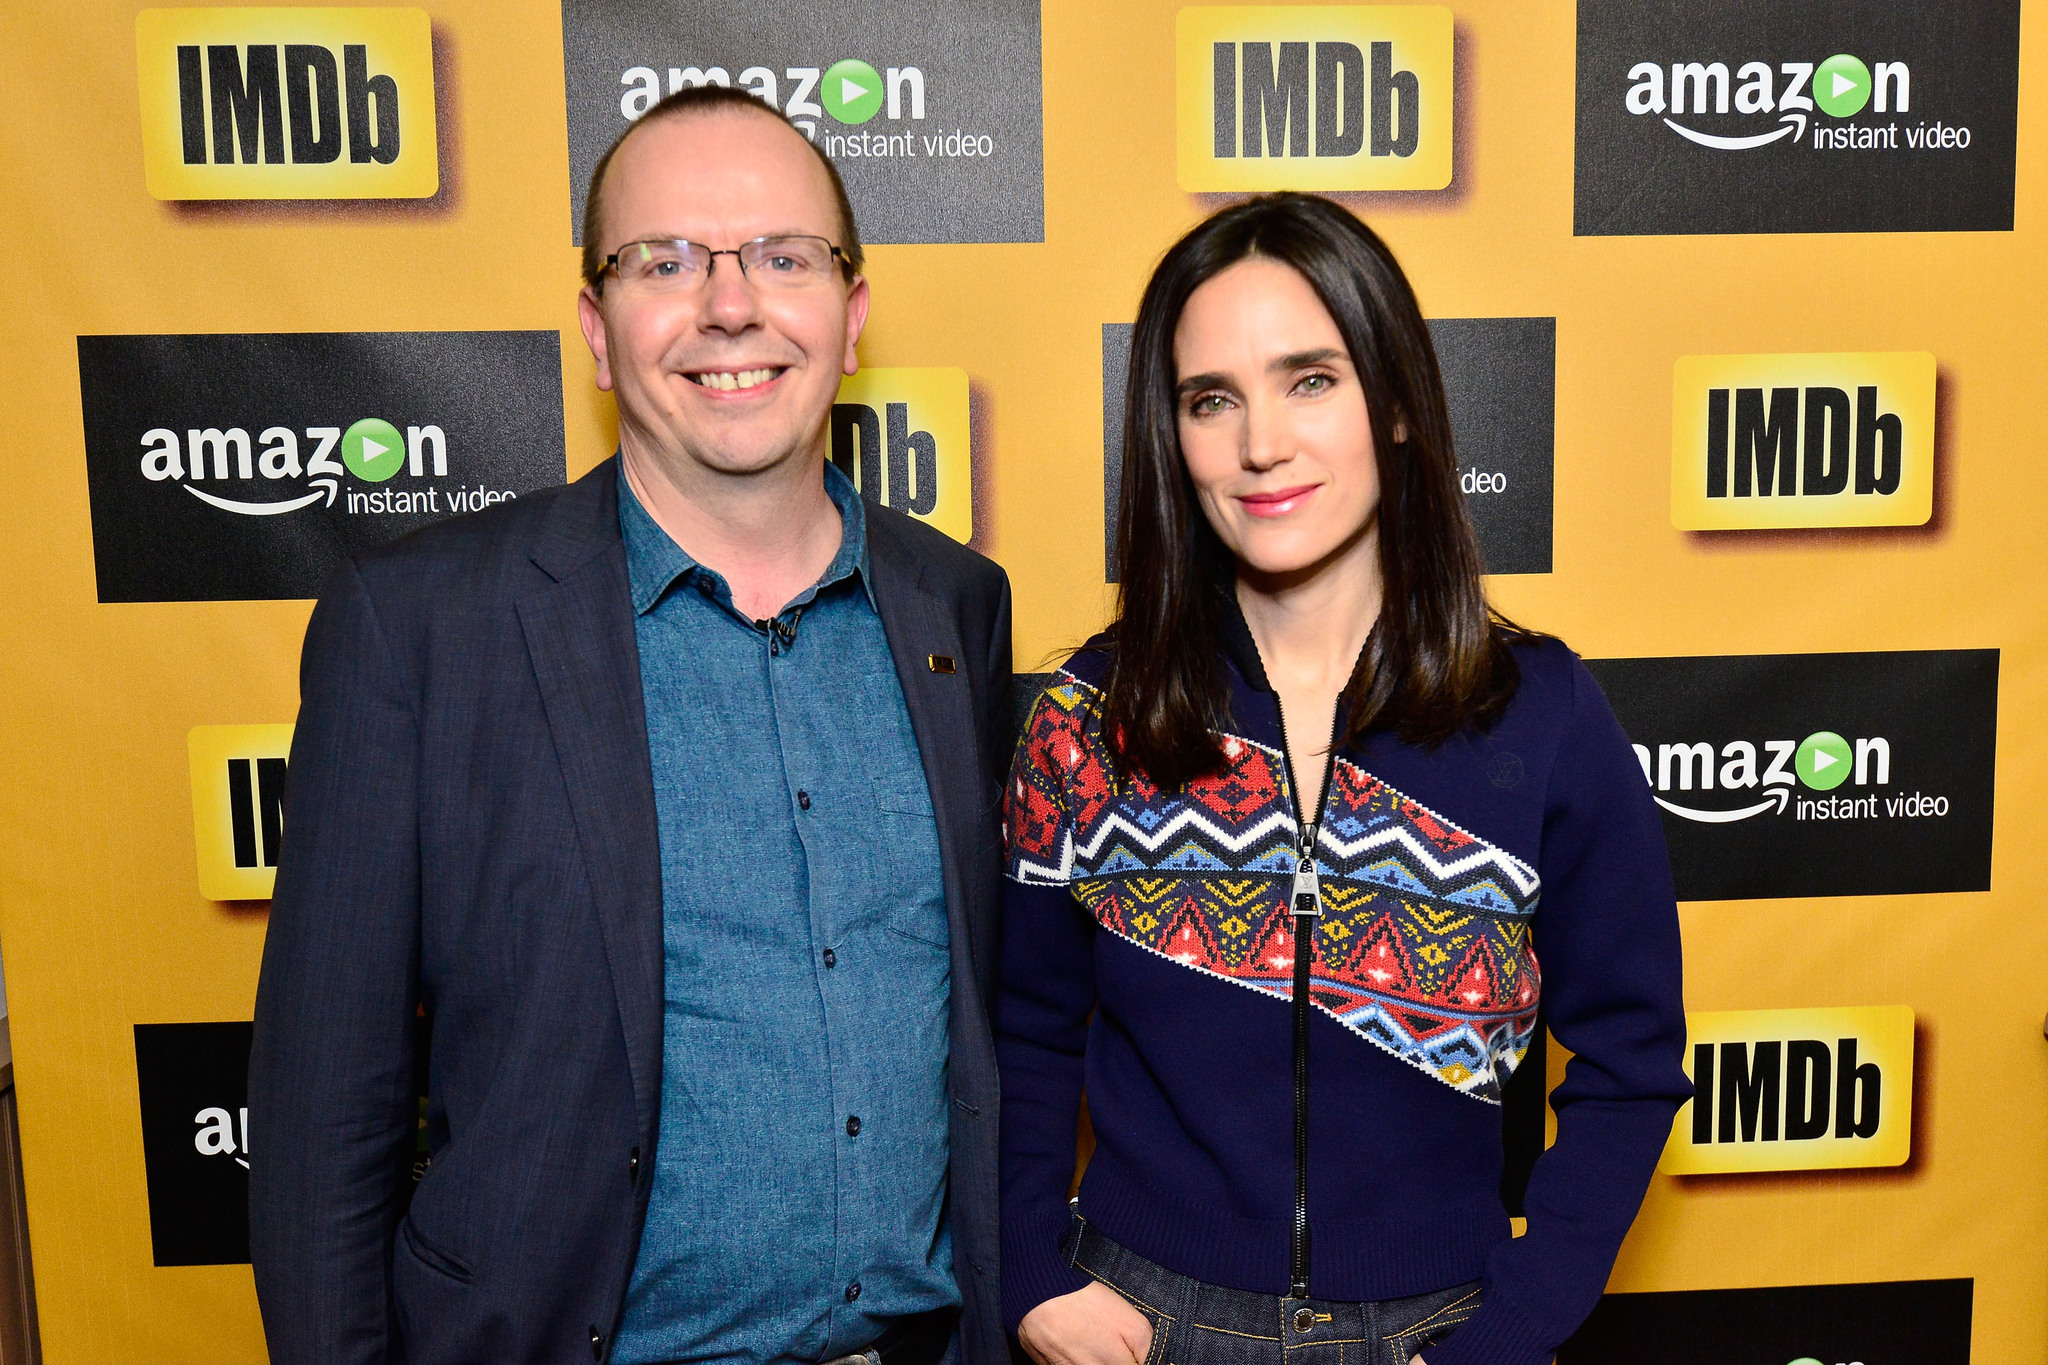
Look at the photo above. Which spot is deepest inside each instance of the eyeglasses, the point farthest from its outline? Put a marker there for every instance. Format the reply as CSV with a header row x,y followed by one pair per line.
x,y
675,267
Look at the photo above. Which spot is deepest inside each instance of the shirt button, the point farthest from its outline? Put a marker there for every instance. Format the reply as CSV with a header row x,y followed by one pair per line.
x,y
853,1291
831,958
803,800
853,1126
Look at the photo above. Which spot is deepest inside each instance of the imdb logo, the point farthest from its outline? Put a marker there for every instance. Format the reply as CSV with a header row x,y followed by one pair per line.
x,y
1795,1090
238,780
903,437
1783,441
287,103
1313,98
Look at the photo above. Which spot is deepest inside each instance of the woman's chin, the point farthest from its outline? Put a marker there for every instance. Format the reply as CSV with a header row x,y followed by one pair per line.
x,y
1281,565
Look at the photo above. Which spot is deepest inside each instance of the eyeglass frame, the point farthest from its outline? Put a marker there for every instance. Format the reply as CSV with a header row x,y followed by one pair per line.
x,y
611,262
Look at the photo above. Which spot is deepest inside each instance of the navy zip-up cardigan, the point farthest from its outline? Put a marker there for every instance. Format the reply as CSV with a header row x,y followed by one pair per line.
x,y
1148,954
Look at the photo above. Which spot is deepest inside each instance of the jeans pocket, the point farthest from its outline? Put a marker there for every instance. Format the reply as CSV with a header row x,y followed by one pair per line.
x,y
1435,1324
1161,1324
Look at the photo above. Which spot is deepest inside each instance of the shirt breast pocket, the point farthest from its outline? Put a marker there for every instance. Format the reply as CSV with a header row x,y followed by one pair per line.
x,y
909,828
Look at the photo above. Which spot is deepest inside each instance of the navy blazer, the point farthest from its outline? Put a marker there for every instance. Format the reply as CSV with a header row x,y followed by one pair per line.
x,y
472,882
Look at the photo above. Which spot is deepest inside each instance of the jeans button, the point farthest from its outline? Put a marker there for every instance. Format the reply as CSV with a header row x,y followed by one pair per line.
x,y
1304,1319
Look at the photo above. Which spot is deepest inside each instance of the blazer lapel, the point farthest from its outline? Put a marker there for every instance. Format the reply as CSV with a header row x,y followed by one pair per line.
x,y
579,635
941,716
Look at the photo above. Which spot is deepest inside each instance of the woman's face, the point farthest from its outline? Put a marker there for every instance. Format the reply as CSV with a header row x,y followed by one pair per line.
x,y
1273,420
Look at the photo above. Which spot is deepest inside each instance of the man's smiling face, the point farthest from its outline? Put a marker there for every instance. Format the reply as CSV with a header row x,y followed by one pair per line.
x,y
727,376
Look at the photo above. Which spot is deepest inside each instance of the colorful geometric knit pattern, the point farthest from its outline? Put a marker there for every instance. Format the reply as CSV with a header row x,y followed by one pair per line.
x,y
1423,947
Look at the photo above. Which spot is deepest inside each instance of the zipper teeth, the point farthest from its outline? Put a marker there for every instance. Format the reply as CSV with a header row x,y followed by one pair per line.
x,y
1308,827
1298,1251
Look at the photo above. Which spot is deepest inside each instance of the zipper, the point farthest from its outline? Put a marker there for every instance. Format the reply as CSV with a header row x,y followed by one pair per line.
x,y
1306,904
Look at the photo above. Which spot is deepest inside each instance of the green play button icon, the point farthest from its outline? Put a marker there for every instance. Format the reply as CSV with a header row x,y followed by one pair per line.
x,y
1823,760
1841,85
852,91
373,450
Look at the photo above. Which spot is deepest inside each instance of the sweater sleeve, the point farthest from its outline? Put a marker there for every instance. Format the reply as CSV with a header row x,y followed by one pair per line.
x,y
1606,936
1043,1002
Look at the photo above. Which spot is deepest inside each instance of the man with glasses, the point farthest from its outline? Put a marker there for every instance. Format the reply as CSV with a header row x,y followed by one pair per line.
x,y
651,821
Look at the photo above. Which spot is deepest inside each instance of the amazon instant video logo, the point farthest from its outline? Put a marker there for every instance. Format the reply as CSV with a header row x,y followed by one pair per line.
x,y
1781,116
1816,774
931,114
1840,87
244,466
1780,774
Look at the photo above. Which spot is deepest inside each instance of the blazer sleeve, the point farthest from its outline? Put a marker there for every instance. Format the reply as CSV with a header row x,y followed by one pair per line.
x,y
332,1084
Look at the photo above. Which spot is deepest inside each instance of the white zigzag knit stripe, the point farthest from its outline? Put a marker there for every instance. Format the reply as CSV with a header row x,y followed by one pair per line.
x,y
1187,816
1484,854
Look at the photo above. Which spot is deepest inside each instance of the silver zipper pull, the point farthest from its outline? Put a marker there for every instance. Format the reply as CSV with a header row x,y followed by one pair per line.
x,y
1308,892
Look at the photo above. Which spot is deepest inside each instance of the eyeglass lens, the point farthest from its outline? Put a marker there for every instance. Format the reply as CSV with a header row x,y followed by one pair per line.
x,y
770,262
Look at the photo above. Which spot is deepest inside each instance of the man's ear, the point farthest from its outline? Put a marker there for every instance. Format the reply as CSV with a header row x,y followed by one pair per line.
x,y
590,315
856,319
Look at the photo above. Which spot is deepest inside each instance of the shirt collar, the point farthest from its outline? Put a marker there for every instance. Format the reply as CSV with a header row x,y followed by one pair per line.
x,y
655,563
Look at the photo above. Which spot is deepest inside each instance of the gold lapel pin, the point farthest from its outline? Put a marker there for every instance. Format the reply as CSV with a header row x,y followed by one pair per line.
x,y
939,663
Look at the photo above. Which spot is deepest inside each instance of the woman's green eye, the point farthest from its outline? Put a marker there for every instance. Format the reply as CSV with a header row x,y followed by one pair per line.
x,y
1316,383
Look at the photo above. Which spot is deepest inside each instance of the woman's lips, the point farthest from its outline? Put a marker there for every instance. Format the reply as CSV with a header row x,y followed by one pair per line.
x,y
1279,502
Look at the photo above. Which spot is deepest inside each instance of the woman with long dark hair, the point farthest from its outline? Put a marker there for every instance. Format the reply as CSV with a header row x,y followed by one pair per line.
x,y
1277,845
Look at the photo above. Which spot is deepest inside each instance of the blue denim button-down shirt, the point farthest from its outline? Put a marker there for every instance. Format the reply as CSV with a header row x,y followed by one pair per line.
x,y
800,1178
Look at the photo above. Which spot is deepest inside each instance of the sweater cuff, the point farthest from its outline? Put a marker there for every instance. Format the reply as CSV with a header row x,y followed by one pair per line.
x,y
1497,1334
1035,1264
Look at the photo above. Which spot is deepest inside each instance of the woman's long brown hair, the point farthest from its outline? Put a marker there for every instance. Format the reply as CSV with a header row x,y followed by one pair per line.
x,y
1438,658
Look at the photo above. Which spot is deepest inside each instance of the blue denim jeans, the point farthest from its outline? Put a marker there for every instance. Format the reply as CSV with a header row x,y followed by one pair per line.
x,y
1204,1324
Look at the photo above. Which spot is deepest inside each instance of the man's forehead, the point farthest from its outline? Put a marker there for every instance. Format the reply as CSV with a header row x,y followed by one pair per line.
x,y
755,155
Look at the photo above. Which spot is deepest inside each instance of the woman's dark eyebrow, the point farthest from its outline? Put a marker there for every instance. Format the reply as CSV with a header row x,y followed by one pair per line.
x,y
1300,358
1217,379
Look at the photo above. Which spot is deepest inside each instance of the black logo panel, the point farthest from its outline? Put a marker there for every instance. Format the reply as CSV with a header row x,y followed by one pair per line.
x,y
194,1087
225,467
1816,774
1738,116
1904,1322
933,119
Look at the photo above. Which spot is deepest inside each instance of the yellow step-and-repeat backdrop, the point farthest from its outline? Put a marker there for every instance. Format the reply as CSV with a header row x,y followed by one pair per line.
x,y
1738,304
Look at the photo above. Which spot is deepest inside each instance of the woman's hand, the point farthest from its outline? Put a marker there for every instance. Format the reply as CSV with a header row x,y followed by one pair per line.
x,y
1091,1326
